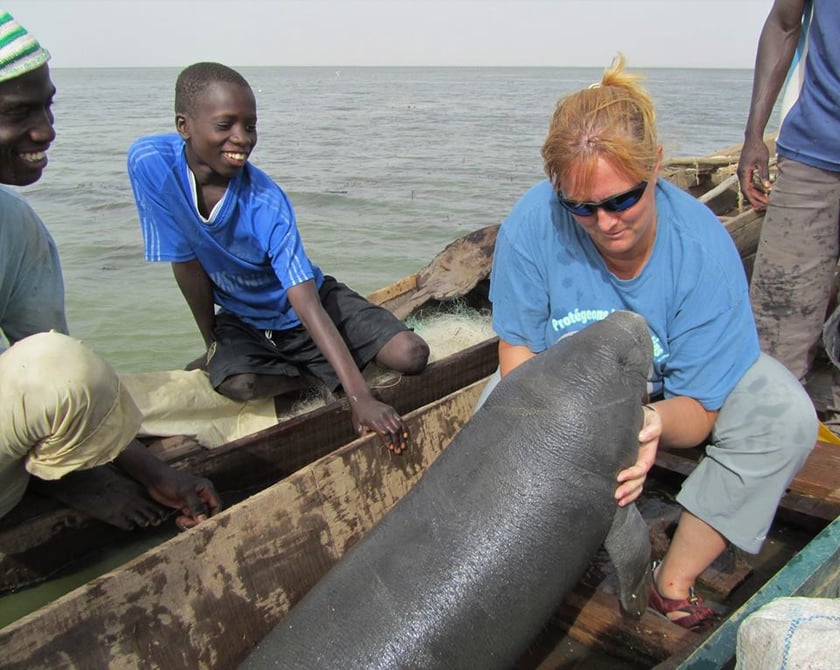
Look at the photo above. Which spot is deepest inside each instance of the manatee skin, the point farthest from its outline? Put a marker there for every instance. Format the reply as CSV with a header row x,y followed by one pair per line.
x,y
465,570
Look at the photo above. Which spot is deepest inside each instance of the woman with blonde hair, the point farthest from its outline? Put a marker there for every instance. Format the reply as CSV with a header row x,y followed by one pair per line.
x,y
605,233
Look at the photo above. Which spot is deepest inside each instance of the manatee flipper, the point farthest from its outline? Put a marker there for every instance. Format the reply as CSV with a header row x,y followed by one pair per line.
x,y
628,545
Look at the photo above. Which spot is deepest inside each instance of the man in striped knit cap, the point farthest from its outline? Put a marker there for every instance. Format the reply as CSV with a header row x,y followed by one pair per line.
x,y
67,425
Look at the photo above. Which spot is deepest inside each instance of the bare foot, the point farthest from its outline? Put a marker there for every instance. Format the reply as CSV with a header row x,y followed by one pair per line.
x,y
106,494
199,363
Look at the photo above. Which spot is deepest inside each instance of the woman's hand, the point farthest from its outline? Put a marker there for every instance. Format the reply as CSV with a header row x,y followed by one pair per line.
x,y
631,480
370,414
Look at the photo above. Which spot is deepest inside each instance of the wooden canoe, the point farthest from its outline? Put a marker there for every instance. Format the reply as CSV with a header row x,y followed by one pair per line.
x,y
204,598
39,539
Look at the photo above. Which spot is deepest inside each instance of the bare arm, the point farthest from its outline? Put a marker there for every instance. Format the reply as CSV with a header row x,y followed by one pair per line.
x,y
512,356
368,413
194,497
677,423
197,290
680,422
776,47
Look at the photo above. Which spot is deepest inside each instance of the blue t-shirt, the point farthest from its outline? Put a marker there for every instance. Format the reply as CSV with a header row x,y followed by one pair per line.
x,y
810,132
251,250
31,285
549,281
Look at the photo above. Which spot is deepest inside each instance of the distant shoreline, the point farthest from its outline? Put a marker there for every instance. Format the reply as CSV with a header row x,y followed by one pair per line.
x,y
595,68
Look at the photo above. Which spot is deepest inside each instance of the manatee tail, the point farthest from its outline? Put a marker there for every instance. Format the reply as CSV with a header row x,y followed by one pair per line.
x,y
628,546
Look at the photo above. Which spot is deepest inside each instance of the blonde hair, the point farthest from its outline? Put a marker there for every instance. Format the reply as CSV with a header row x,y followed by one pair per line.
x,y
613,120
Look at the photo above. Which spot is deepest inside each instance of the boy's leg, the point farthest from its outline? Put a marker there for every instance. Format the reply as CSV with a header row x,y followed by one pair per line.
x,y
372,332
248,386
246,363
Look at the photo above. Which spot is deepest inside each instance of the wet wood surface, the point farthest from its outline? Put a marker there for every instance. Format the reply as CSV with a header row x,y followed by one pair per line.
x,y
39,537
204,598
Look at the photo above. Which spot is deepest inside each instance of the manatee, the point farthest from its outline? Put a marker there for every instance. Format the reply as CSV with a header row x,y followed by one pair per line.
x,y
467,568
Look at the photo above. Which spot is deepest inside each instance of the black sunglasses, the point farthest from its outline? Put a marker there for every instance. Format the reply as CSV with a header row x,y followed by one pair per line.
x,y
616,203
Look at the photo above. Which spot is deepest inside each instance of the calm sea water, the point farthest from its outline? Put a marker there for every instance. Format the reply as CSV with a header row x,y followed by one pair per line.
x,y
385,166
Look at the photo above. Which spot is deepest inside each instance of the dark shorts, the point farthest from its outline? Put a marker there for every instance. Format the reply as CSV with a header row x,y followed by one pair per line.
x,y
242,348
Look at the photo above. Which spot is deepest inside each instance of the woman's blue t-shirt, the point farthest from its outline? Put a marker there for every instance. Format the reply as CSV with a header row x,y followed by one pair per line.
x,y
549,281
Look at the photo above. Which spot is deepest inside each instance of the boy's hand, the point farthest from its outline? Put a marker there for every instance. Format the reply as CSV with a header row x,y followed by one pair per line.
x,y
370,414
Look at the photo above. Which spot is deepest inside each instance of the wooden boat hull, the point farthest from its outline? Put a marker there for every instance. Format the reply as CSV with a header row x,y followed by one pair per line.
x,y
40,538
204,598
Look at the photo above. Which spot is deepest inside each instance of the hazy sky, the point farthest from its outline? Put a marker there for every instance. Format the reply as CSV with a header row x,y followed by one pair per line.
x,y
677,33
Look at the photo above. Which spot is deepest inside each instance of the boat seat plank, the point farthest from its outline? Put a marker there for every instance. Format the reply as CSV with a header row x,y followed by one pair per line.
x,y
594,619
820,476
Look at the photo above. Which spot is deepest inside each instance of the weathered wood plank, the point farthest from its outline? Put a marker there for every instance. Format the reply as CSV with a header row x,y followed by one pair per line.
x,y
387,295
745,229
595,619
204,598
724,579
820,476
40,537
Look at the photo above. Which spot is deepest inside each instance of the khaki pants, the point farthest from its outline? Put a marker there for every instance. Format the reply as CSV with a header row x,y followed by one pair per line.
x,y
62,408
795,266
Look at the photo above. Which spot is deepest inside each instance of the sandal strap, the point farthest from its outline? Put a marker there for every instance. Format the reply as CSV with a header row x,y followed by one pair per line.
x,y
696,613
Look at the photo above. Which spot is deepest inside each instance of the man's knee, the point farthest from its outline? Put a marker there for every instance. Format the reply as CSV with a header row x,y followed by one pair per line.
x,y
57,395
33,364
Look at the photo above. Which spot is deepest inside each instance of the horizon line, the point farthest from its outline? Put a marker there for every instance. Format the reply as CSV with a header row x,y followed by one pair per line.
x,y
338,67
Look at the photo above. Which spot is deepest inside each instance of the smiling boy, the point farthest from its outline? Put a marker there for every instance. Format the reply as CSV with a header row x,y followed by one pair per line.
x,y
64,414
231,235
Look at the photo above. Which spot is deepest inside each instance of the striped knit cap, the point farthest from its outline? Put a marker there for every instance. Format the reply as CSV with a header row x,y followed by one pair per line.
x,y
19,51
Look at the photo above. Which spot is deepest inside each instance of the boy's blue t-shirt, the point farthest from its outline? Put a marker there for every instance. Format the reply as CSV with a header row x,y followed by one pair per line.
x,y
251,250
549,281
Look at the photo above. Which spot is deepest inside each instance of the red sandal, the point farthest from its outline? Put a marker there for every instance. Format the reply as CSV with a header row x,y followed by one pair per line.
x,y
697,616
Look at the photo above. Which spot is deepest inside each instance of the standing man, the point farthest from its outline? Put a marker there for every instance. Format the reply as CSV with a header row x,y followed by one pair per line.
x,y
800,239
64,415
